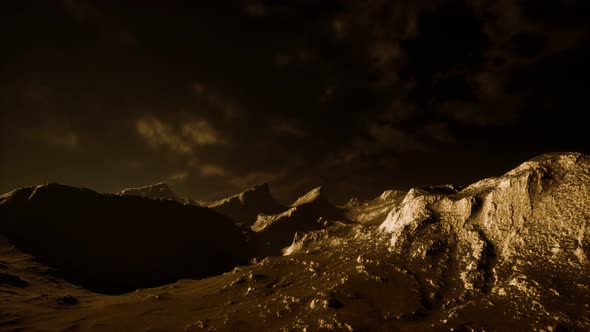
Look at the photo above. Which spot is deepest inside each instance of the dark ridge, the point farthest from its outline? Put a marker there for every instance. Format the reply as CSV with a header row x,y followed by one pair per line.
x,y
115,244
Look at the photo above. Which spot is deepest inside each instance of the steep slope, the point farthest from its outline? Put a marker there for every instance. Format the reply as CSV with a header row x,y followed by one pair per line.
x,y
311,211
112,243
364,215
521,239
245,207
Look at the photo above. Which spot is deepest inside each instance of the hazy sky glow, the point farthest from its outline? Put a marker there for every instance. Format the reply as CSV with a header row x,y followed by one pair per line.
x,y
357,96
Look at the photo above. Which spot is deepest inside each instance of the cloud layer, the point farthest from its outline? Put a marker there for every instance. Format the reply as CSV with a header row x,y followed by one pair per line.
x,y
358,96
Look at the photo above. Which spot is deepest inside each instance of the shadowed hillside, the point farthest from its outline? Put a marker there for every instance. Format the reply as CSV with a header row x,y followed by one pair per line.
x,y
113,244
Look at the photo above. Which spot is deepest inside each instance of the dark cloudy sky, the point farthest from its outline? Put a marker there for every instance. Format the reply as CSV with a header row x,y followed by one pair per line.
x,y
356,96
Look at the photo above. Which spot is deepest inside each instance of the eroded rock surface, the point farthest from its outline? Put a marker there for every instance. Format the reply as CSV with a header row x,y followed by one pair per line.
x,y
521,238
373,212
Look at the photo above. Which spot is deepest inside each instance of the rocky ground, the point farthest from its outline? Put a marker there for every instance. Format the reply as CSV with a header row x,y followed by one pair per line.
x,y
504,254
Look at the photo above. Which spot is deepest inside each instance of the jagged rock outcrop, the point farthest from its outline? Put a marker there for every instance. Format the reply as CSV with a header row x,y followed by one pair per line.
x,y
522,239
155,191
245,207
363,214
311,211
113,244
372,212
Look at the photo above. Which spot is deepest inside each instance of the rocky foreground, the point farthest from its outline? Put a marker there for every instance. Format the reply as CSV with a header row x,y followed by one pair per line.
x,y
504,254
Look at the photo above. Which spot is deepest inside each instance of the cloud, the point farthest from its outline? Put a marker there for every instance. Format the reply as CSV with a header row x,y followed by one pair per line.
x,y
182,138
55,132
395,139
383,142
284,128
439,132
249,179
201,133
157,133
300,56
178,177
215,101
255,8
212,170
114,33
82,10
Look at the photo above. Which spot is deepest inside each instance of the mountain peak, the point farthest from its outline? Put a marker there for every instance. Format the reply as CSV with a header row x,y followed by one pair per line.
x,y
553,159
160,190
245,206
264,187
257,191
389,194
312,195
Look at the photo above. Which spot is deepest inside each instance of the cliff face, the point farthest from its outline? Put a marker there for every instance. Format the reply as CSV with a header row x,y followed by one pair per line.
x,y
113,244
522,237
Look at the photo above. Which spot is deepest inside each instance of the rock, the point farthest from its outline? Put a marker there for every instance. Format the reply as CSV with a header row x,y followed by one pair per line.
x,y
512,232
155,191
12,280
372,212
391,194
196,326
67,300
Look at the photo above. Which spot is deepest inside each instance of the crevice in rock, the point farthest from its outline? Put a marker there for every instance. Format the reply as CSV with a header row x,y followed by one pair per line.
x,y
487,262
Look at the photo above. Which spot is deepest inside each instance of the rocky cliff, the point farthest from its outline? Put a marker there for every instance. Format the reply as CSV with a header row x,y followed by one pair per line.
x,y
521,238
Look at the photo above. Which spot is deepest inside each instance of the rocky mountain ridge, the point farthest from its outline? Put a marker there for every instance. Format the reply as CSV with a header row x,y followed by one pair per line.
x,y
245,207
508,253
159,190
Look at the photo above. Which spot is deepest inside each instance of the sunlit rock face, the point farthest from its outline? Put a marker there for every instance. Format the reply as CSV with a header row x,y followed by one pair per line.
x,y
372,212
245,207
113,244
523,237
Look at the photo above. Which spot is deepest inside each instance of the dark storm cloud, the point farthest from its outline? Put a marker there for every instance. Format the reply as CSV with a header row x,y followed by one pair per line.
x,y
356,96
52,132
